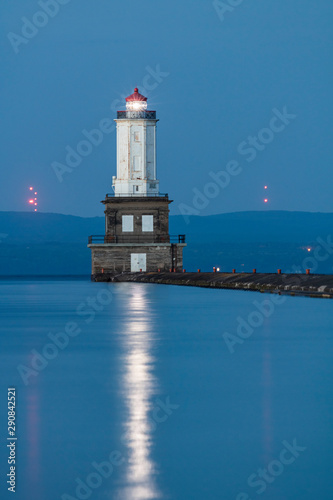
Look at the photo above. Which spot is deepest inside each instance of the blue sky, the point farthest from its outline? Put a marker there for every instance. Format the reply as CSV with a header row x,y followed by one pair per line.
x,y
217,79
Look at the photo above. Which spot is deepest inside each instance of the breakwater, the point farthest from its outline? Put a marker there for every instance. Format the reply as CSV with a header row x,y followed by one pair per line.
x,y
312,285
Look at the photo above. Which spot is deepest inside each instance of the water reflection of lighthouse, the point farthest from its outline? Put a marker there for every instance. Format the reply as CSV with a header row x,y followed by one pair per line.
x,y
139,386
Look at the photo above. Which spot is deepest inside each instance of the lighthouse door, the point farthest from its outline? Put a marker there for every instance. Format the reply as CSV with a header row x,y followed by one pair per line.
x,y
138,261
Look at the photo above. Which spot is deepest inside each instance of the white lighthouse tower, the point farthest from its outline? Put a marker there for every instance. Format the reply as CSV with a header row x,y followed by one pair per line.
x,y
136,214
136,149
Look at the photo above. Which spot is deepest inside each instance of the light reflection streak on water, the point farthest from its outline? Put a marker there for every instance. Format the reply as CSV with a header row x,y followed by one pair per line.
x,y
139,387
33,435
267,399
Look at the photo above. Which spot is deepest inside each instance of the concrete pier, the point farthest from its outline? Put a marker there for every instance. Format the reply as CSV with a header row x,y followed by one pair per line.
x,y
311,285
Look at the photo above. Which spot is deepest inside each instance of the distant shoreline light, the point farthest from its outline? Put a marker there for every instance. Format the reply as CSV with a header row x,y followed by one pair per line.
x,y
33,201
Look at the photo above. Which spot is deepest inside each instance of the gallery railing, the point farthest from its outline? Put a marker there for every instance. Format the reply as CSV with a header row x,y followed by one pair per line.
x,y
139,238
130,115
137,195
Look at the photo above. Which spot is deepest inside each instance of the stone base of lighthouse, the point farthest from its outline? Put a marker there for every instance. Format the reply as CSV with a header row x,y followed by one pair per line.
x,y
136,237
118,258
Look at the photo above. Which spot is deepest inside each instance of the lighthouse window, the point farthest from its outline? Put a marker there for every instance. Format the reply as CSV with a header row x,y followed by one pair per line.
x,y
147,223
127,223
136,163
137,136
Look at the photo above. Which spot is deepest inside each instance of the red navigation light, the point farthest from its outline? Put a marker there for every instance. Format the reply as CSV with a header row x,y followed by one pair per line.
x,y
265,200
31,201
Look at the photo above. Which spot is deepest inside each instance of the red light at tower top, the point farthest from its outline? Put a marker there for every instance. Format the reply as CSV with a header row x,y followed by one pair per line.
x,y
265,187
266,200
31,188
136,101
31,201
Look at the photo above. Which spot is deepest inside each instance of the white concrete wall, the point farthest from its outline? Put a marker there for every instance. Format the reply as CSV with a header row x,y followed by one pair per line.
x,y
136,158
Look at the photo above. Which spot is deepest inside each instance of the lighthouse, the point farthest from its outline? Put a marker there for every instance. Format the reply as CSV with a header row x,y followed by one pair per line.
x,y
136,149
137,235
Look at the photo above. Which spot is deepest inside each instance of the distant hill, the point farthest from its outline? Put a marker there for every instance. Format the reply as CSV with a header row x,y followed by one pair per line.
x,y
28,227
46,243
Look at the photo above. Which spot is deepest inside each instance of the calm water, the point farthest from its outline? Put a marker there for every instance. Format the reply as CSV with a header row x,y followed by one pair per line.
x,y
146,380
